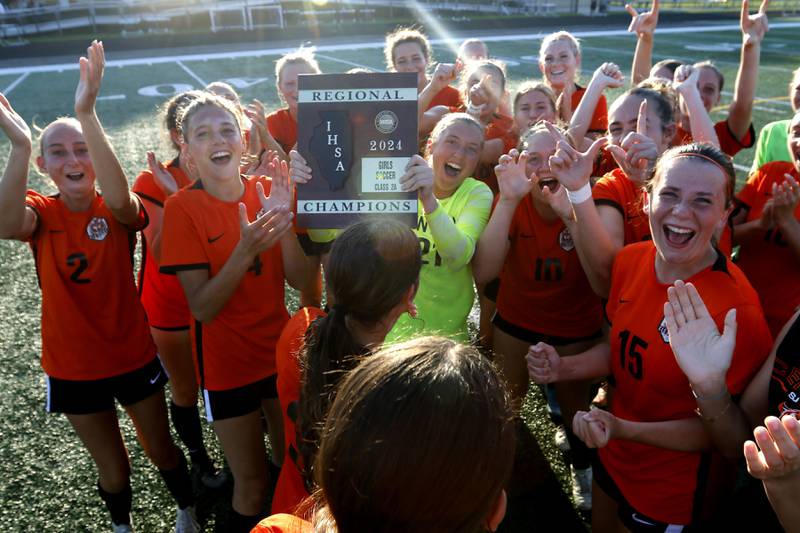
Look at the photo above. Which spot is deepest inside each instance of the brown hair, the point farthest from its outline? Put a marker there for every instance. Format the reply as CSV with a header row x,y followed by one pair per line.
x,y
206,99
372,266
670,64
419,439
706,153
713,67
660,97
497,69
173,107
530,86
404,35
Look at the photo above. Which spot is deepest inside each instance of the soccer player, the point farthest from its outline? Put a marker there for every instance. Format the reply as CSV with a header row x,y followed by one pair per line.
x,y
533,102
232,248
453,210
96,346
393,455
768,231
771,144
652,433
544,294
559,62
408,50
373,272
736,132
163,299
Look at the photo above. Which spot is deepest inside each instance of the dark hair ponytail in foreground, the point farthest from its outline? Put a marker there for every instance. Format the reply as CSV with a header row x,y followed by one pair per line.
x,y
371,268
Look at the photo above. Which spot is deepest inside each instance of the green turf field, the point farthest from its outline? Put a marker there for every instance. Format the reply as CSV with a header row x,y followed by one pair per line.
x,y
46,479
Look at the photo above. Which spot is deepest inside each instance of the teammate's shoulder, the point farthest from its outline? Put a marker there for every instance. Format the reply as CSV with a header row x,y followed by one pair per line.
x,y
777,169
634,256
283,523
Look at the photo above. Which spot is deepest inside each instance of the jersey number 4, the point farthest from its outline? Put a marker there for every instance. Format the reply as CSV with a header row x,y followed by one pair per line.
x,y
630,353
80,263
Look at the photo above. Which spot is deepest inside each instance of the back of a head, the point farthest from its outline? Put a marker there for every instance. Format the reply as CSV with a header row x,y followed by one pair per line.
x,y
371,267
419,439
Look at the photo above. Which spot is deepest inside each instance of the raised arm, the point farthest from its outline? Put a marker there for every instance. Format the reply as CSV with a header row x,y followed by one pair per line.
x,y
644,26
685,83
785,197
754,27
598,234
296,265
493,244
606,76
705,357
207,296
108,171
16,220
257,115
776,461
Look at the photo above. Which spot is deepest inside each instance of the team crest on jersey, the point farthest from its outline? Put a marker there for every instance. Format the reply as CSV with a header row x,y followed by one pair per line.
x,y
662,329
565,240
97,229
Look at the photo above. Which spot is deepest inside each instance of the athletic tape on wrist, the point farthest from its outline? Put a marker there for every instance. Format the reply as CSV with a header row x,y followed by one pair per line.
x,y
581,195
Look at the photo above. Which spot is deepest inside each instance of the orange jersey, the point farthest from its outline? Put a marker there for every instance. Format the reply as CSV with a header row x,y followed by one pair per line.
x,y
93,326
728,143
543,287
501,127
599,123
282,523
650,386
161,294
237,347
290,490
283,128
770,264
449,96
616,189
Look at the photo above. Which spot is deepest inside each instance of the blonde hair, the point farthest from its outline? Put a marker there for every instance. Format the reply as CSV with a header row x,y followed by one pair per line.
x,y
404,35
60,121
301,56
450,119
573,41
206,100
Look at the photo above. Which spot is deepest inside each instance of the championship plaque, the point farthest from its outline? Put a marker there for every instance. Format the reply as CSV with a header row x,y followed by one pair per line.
x,y
357,132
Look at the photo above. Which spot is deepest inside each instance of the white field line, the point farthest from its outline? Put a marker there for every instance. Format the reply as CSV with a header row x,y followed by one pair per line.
x,y
189,71
14,83
346,62
741,167
112,97
362,46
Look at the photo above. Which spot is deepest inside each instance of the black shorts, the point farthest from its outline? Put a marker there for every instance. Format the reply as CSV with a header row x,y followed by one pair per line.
x,y
534,337
635,521
230,403
74,397
313,247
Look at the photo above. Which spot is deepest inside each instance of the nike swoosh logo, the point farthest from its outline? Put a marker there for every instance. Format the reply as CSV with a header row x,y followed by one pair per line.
x,y
637,519
153,381
212,240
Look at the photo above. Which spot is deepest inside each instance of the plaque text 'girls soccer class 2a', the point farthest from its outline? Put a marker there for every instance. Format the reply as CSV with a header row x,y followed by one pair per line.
x,y
357,132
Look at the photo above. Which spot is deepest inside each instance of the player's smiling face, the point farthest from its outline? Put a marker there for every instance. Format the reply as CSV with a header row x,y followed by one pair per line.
x,y
409,57
532,107
65,158
288,83
687,206
540,147
794,140
454,156
213,142
559,64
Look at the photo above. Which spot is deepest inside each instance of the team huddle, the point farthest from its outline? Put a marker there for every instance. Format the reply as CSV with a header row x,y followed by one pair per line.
x,y
607,246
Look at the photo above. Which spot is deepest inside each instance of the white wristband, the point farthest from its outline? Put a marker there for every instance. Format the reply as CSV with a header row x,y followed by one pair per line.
x,y
581,195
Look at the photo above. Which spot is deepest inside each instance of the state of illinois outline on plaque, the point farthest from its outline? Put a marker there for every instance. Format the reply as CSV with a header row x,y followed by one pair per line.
x,y
357,132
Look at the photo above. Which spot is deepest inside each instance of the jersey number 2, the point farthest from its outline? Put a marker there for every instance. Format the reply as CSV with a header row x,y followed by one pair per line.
x,y
630,356
80,263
